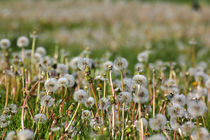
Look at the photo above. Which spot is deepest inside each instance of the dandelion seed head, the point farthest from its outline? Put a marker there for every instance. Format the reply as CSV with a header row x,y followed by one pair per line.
x,y
90,102
74,62
83,63
80,96
179,99
41,50
137,123
62,69
86,114
141,96
158,122
10,135
143,56
124,97
40,118
139,67
140,80
51,85
120,63
71,80
5,43
63,82
108,65
200,134
175,110
156,137
104,103
196,108
22,42
25,134
187,128
47,101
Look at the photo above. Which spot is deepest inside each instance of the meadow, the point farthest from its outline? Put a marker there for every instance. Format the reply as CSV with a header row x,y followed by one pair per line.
x,y
104,70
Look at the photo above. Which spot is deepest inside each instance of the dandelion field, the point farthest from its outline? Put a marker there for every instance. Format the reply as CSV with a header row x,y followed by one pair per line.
x,y
104,70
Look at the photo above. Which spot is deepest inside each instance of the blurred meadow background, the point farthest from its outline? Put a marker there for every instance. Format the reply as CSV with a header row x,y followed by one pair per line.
x,y
104,25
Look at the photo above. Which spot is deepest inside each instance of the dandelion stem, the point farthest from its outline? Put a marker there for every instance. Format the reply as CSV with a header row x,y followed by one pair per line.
x,y
73,117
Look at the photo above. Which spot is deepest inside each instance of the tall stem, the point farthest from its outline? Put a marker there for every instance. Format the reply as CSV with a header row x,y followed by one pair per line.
x,y
113,105
73,117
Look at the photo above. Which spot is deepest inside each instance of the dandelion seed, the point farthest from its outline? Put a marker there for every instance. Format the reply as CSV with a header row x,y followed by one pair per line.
x,y
157,137
51,85
175,110
139,67
86,114
47,101
196,108
187,128
200,134
62,69
11,135
25,135
63,82
137,123
124,97
41,50
120,63
107,65
104,104
158,122
140,80
22,42
141,96
5,44
40,118
80,96
179,99
143,57
83,63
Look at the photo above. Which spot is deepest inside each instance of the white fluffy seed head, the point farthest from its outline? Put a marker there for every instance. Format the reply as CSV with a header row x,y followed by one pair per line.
x,y
25,135
74,62
51,85
90,102
143,56
10,135
47,101
175,110
207,84
196,108
83,63
40,118
158,122
71,80
120,63
200,134
187,128
80,96
157,137
5,43
108,65
137,123
22,42
62,69
139,67
124,97
141,95
179,99
140,80
63,82
41,50
86,114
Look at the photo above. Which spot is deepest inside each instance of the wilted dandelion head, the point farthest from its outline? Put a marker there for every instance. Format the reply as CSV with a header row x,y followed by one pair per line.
x,y
90,102
137,123
139,67
200,134
143,57
140,80
103,103
158,122
25,134
83,63
63,82
141,95
179,99
187,128
108,65
51,85
80,96
22,42
62,69
86,114
40,118
96,122
124,97
120,63
5,43
41,50
157,137
175,110
71,80
11,135
196,108
47,101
